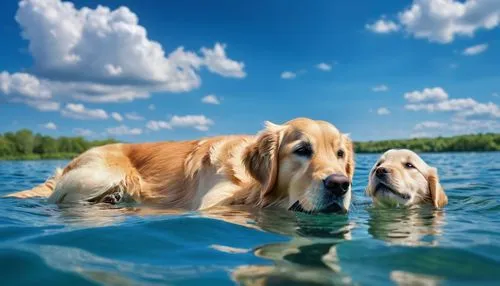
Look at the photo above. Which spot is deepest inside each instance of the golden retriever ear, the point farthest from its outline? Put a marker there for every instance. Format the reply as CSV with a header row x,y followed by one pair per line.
x,y
439,198
350,164
261,159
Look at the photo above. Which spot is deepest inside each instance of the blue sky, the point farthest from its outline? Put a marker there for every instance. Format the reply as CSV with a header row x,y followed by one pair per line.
x,y
375,69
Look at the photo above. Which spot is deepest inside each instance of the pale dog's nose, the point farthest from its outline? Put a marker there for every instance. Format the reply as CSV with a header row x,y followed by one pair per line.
x,y
337,184
381,172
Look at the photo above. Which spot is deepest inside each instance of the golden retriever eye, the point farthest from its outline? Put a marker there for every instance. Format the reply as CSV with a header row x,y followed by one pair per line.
x,y
304,150
409,166
378,164
340,154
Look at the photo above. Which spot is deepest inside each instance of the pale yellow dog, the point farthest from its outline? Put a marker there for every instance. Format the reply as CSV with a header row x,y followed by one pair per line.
x,y
401,177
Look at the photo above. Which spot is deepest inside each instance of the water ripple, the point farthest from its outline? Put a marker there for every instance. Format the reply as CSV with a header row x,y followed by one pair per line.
x,y
135,245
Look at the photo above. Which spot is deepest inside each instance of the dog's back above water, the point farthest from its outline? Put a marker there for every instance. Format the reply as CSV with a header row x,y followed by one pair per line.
x,y
302,165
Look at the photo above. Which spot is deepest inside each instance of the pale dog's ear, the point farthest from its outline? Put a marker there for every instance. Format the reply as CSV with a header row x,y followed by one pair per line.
x,y
350,164
261,159
439,198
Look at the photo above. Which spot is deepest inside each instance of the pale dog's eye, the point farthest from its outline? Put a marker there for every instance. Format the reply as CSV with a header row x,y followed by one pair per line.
x,y
340,154
409,166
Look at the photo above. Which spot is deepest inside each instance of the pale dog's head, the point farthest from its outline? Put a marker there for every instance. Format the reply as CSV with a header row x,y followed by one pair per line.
x,y
401,177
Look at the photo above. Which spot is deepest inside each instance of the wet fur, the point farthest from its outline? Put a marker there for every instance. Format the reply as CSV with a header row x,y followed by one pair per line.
x,y
227,170
416,185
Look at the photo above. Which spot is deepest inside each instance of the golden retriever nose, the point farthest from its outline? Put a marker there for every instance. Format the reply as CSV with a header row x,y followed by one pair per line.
x,y
337,184
381,172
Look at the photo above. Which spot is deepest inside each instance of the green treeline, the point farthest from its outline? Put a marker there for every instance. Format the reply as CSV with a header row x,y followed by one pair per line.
x,y
24,145
462,143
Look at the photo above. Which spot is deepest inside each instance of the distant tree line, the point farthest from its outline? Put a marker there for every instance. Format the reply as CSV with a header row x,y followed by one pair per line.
x,y
23,144
462,143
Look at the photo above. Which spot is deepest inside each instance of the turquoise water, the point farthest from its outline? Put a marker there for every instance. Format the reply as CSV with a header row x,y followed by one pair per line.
x,y
131,245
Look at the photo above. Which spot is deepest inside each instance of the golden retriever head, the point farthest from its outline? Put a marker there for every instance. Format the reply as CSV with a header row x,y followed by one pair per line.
x,y
401,177
303,165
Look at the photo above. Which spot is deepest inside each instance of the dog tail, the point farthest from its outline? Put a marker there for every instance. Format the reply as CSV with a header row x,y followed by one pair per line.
x,y
42,190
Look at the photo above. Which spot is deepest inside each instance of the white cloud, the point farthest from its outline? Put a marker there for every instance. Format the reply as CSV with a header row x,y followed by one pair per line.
x,y
442,21
465,107
23,85
428,94
43,105
116,116
429,125
495,94
216,61
79,111
123,130
210,99
157,125
288,75
134,116
383,111
462,107
151,107
380,88
383,26
475,50
50,126
83,132
324,67
454,127
120,62
199,122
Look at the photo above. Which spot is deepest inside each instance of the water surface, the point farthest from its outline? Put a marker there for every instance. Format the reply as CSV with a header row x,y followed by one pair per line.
x,y
132,245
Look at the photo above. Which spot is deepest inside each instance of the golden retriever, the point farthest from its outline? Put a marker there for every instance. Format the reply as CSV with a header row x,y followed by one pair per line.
x,y
401,177
302,165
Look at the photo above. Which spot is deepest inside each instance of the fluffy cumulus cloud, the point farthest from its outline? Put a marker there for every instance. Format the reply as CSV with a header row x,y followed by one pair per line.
x,y
428,94
380,88
442,21
216,61
210,99
120,62
199,122
157,125
288,75
123,130
382,26
79,111
117,116
23,85
50,126
383,111
475,50
468,115
324,67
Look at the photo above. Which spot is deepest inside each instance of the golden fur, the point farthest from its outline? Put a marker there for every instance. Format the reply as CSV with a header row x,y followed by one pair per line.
x,y
405,179
260,170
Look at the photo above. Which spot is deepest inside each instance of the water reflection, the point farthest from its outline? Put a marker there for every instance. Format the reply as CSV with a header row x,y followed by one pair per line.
x,y
417,226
